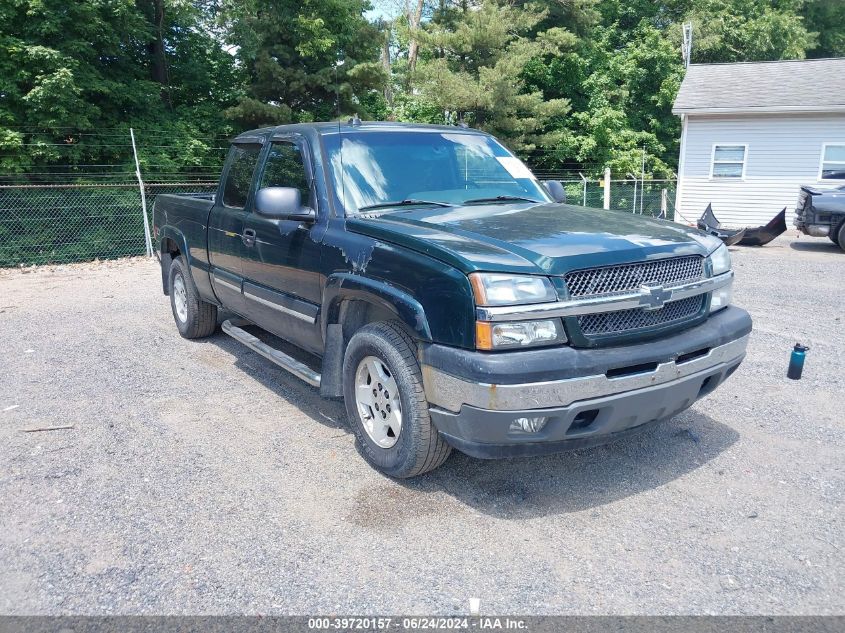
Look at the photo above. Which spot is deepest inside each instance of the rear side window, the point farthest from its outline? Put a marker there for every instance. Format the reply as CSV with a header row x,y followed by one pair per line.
x,y
285,167
239,177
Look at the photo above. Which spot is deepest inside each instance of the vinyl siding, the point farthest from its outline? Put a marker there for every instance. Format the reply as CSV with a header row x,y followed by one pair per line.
x,y
783,154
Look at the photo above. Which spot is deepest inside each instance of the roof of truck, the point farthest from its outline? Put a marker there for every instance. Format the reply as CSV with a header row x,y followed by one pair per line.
x,y
333,127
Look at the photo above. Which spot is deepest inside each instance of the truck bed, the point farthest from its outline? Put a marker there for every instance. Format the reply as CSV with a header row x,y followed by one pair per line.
x,y
178,209
185,215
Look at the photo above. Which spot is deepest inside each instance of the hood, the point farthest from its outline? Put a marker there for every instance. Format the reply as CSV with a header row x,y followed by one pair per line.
x,y
533,238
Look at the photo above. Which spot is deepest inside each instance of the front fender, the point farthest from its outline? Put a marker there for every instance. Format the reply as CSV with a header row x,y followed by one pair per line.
x,y
341,287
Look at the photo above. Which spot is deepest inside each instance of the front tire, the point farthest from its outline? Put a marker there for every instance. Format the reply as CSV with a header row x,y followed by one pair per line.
x,y
386,405
194,317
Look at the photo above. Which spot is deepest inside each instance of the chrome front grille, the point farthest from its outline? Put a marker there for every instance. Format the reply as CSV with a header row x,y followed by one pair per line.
x,y
629,277
625,279
623,321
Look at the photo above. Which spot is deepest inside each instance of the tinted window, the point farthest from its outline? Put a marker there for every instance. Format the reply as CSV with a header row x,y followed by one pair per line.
x,y
285,168
239,178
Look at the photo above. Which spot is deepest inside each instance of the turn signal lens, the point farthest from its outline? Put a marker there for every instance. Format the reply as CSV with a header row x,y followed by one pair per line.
x,y
483,335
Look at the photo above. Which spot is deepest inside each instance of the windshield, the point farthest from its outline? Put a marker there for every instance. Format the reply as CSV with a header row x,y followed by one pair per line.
x,y
375,168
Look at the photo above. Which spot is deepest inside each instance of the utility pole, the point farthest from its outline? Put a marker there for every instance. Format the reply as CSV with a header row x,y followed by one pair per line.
x,y
607,187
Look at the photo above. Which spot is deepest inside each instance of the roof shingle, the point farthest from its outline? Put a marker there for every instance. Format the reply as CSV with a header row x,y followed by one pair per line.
x,y
811,85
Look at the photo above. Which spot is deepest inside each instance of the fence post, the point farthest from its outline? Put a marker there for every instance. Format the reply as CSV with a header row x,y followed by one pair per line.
x,y
147,238
584,196
635,194
607,187
634,178
664,203
642,182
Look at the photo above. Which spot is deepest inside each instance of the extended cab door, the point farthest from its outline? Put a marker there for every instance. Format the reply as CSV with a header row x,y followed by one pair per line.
x,y
281,258
226,224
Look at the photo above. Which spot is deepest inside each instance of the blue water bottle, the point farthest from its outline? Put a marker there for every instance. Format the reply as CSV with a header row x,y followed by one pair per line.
x,y
796,361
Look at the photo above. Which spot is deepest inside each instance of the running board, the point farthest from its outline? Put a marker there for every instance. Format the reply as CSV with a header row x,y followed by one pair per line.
x,y
298,369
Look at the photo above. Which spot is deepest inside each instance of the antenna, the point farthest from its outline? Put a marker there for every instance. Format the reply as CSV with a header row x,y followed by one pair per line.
x,y
686,47
337,65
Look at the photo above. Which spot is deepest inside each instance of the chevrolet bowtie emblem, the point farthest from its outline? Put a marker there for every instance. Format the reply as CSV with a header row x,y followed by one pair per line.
x,y
654,297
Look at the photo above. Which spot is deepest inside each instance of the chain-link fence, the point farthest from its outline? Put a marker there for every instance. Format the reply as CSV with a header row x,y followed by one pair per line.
x,y
654,198
70,195
71,212
61,223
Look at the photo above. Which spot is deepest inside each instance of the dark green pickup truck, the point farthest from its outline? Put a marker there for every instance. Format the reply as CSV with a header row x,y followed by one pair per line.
x,y
445,294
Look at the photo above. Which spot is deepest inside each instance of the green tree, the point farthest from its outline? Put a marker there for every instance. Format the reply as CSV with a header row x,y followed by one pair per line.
x,y
70,69
826,18
624,73
747,30
299,56
472,62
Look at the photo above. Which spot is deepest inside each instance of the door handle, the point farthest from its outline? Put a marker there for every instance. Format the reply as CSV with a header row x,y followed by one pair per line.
x,y
248,237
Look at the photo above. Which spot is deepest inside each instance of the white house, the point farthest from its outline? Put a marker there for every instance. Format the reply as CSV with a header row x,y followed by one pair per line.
x,y
753,133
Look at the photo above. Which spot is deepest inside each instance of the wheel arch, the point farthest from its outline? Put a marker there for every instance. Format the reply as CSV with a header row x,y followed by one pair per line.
x,y
353,301
349,303
172,244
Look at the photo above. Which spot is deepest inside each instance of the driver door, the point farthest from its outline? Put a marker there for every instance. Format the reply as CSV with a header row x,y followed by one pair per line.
x,y
281,258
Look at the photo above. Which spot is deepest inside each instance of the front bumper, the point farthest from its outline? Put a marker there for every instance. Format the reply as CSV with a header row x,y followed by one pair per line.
x,y
588,396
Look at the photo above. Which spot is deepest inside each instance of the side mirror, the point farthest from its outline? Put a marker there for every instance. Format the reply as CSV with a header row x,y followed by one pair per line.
x,y
556,190
282,203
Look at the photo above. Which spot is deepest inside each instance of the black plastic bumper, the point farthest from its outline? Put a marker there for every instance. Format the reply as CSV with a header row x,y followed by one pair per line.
x,y
489,433
555,363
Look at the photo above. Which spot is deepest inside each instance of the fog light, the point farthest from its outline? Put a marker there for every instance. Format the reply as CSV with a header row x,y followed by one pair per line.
x,y
528,425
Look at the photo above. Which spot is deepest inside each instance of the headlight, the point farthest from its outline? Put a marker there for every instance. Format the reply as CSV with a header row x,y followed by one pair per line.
x,y
518,334
493,289
720,260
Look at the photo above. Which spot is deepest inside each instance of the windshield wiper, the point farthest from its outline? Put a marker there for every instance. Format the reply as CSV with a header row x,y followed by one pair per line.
x,y
408,202
499,199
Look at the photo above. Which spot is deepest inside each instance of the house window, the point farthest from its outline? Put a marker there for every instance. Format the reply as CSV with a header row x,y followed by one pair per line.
x,y
833,162
728,161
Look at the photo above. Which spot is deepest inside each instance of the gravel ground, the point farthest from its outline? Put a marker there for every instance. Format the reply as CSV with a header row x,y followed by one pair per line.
x,y
199,478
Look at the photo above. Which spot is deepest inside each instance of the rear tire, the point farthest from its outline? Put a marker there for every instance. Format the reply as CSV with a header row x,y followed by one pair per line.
x,y
194,317
380,359
840,236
